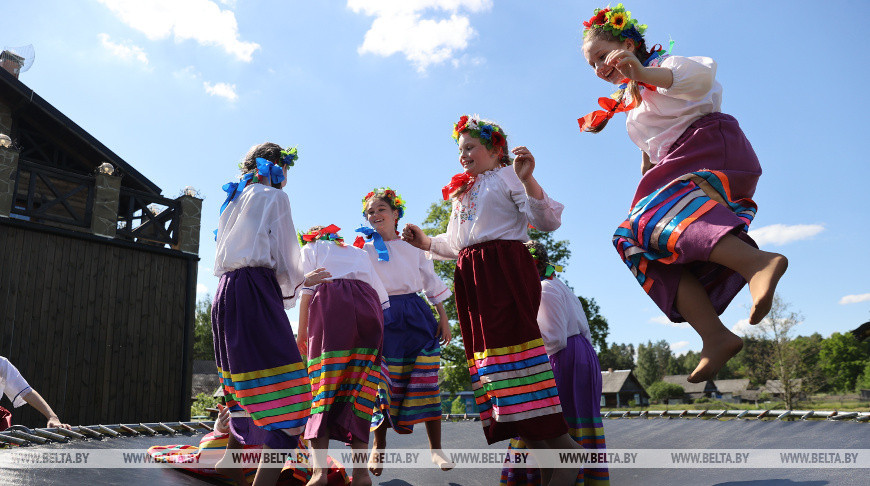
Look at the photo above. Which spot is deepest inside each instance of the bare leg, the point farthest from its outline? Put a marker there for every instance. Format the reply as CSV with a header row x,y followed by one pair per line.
x,y
761,269
319,450
433,430
378,447
360,471
267,474
225,464
560,475
719,344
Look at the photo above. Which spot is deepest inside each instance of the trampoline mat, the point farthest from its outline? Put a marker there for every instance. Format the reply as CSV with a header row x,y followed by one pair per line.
x,y
654,433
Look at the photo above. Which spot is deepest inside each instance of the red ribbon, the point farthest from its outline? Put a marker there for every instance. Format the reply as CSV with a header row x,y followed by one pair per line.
x,y
359,242
455,183
612,107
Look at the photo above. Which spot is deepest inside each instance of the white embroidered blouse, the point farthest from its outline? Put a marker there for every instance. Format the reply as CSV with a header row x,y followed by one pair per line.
x,y
256,230
665,114
408,271
496,207
12,383
342,262
560,316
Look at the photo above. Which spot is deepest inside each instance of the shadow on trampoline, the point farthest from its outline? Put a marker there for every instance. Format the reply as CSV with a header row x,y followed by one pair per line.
x,y
774,482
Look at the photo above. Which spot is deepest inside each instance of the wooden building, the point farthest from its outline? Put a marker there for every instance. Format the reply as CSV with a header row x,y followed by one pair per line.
x,y
97,272
692,391
621,386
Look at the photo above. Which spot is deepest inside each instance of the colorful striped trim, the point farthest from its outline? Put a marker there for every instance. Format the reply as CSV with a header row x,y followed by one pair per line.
x,y
513,383
655,223
351,376
415,394
276,398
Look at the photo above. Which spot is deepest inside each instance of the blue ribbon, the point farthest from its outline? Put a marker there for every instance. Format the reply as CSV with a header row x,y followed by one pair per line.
x,y
270,170
377,241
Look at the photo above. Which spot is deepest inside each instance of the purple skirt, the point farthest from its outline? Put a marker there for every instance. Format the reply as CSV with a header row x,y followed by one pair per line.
x,y
345,337
264,380
698,193
578,378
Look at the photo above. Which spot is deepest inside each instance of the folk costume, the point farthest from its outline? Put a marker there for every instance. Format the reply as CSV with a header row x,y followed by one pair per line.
x,y
257,259
345,338
497,293
700,186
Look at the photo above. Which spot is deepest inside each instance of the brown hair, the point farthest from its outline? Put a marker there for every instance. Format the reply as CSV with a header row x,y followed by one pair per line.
x,y
268,150
542,259
640,51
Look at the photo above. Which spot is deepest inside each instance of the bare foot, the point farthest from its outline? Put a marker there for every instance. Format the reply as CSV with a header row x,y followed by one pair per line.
x,y
236,474
762,286
441,460
360,478
319,478
375,465
715,354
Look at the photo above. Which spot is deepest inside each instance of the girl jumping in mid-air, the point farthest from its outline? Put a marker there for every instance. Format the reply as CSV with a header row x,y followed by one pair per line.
x,y
257,259
341,328
685,239
497,288
412,337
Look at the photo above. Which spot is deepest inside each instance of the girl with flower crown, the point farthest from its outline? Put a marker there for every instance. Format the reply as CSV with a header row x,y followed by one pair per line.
x,y
568,341
685,239
497,287
341,328
412,337
257,259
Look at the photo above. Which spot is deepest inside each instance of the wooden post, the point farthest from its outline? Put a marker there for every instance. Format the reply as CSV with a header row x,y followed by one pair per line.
x,y
104,219
188,227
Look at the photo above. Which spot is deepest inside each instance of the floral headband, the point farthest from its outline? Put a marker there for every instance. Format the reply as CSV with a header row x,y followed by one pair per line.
x,y
289,156
490,134
550,270
385,193
617,21
329,233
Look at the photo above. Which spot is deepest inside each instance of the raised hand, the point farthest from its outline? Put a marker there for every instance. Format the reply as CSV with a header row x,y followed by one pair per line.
x,y
524,163
413,235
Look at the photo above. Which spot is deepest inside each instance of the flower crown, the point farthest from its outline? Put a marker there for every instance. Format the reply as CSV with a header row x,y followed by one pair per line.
x,y
289,156
490,134
329,233
617,21
385,193
550,268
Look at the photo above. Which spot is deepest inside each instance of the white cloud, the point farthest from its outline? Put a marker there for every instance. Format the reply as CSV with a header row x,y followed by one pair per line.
x,y
675,347
200,20
743,327
224,90
400,27
201,289
123,51
780,234
667,322
854,299
187,73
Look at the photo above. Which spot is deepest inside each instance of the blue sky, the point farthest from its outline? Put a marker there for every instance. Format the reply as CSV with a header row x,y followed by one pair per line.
x,y
369,91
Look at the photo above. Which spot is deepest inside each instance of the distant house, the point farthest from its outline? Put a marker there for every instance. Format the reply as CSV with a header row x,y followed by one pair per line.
x,y
205,378
693,391
621,386
734,391
776,389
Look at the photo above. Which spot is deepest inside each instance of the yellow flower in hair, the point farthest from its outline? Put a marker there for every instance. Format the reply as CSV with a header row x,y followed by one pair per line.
x,y
618,20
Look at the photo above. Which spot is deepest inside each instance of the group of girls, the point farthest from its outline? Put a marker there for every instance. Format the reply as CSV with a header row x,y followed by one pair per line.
x,y
372,344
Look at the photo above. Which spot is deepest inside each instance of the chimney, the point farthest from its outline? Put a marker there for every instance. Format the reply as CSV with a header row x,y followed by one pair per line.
x,y
11,62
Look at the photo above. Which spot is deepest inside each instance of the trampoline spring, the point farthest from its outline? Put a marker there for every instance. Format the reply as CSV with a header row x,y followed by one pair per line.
x,y
742,414
627,414
168,429
703,412
147,429
863,417
24,435
843,416
721,414
808,415
90,432
783,415
9,439
50,435
203,425
683,413
127,429
186,427
71,434
763,414
107,431
643,414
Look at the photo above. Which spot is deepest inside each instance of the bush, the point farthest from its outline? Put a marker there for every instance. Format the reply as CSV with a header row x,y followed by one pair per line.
x,y
201,403
458,405
703,400
660,391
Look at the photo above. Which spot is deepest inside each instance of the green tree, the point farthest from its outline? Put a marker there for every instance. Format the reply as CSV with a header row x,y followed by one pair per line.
x,y
863,382
783,361
661,391
617,357
653,361
843,358
203,342
598,327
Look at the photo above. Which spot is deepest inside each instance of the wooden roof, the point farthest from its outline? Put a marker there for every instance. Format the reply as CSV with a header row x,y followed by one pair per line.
x,y
735,386
620,381
703,387
85,152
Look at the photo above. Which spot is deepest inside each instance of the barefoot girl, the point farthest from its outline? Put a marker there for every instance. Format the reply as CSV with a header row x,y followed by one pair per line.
x,y
685,239
497,288
412,337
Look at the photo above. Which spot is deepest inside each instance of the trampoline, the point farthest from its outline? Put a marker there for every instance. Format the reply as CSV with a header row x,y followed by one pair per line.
x,y
622,430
